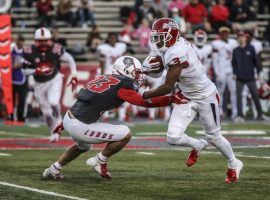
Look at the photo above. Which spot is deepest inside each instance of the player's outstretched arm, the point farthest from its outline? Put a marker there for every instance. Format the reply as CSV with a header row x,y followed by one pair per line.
x,y
135,98
66,57
171,78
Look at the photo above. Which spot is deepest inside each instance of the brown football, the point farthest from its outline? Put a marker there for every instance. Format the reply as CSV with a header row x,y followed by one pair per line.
x,y
157,64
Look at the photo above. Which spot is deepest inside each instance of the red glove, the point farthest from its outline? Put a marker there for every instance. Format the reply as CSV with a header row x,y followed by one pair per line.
x,y
59,128
179,98
73,82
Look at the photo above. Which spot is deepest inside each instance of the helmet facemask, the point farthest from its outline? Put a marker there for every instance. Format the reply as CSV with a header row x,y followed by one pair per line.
x,y
158,40
127,67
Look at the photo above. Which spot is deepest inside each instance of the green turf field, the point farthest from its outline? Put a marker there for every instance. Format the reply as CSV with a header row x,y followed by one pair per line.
x,y
161,174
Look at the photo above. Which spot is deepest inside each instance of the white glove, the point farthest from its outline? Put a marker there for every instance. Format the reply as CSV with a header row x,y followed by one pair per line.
x,y
54,137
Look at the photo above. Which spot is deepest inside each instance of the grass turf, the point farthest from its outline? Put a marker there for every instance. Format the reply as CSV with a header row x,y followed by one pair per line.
x,y
136,176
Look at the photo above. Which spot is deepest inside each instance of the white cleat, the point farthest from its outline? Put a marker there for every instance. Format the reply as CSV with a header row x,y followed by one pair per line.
x,y
48,174
234,174
101,169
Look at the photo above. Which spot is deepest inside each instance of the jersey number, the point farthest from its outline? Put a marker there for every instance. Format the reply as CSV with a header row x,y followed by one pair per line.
x,y
102,83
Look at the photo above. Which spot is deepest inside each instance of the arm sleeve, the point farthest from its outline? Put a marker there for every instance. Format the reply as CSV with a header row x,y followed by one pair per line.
x,y
66,57
135,98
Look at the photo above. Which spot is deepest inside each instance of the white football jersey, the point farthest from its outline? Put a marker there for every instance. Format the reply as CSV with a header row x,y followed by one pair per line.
x,y
110,54
204,54
257,45
222,62
155,82
193,81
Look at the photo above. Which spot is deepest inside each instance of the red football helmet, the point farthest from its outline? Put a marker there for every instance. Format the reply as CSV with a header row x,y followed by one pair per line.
x,y
165,33
200,37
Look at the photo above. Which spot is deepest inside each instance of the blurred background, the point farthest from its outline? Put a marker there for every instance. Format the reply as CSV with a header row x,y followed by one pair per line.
x,y
83,26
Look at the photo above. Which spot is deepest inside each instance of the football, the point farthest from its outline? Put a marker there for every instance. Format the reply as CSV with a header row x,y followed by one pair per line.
x,y
153,66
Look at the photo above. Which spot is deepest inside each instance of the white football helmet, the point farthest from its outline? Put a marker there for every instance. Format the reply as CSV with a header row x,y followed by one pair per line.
x,y
130,67
43,39
200,38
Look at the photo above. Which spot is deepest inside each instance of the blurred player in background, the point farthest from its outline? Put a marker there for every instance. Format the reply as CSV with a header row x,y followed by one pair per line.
x,y
222,63
104,93
19,82
108,53
185,69
43,60
202,49
261,79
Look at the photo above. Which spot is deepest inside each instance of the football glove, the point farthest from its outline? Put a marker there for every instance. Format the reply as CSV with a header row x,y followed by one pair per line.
x,y
73,82
179,98
59,128
54,137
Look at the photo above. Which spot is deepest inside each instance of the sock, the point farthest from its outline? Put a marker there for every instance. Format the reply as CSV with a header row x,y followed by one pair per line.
x,y
56,167
223,145
101,159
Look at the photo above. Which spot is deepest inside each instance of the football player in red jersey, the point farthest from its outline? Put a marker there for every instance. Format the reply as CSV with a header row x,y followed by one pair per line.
x,y
102,94
185,70
43,60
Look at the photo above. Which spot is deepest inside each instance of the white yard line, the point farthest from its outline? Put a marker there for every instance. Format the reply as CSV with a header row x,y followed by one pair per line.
x,y
5,154
19,134
239,155
146,153
40,191
237,132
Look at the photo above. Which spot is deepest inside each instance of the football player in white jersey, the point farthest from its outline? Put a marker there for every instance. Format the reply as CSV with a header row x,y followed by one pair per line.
x,y
222,57
108,53
185,69
202,49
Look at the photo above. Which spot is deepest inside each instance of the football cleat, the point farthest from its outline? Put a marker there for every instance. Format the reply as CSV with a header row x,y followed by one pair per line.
x,y
48,174
195,153
233,174
101,169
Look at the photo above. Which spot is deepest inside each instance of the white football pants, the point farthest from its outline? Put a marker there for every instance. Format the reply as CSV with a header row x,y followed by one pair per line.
x,y
48,96
86,134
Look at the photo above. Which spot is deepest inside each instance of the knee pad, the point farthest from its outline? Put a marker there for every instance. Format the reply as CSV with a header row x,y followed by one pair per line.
x,y
54,99
174,135
213,135
124,130
46,112
175,131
